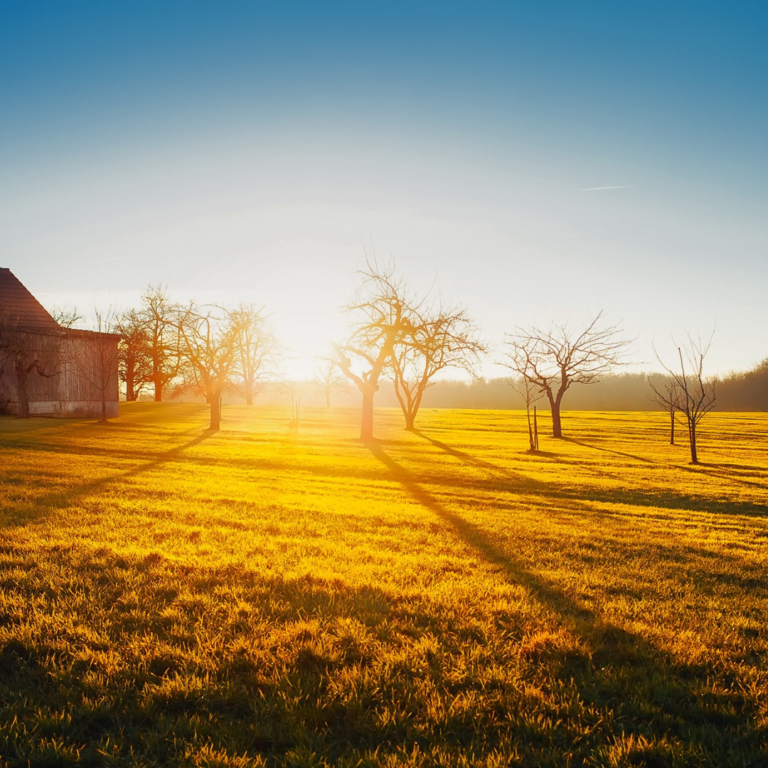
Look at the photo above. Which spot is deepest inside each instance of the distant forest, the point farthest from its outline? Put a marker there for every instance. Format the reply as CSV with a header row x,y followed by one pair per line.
x,y
619,392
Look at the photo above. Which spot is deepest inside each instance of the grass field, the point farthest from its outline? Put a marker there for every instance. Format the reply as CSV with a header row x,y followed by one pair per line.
x,y
170,596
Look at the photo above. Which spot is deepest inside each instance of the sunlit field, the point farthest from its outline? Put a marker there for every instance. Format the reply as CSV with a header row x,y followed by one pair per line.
x,y
270,596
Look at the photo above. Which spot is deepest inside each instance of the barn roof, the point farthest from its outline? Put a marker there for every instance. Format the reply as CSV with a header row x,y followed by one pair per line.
x,y
19,307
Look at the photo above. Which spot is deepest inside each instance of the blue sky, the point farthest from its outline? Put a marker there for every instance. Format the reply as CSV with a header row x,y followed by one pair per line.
x,y
541,161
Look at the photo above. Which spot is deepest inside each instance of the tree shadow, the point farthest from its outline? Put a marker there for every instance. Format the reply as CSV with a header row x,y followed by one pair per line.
x,y
61,499
705,468
470,460
608,450
546,454
620,672
644,498
501,480
467,531
482,464
618,684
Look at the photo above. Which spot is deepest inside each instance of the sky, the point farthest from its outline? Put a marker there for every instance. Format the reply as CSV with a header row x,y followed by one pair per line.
x,y
535,162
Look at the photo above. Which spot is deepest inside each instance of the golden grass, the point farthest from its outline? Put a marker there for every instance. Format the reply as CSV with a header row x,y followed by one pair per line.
x,y
170,596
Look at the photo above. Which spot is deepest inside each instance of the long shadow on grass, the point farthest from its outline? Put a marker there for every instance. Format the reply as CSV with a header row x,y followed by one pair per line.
x,y
702,468
467,458
60,499
640,690
648,497
205,676
594,447
707,469
337,668
502,481
523,479
101,450
575,504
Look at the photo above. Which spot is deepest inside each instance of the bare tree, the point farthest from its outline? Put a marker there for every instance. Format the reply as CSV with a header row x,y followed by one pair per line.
x,y
696,393
380,320
531,395
66,317
160,319
208,345
552,361
134,358
93,355
256,352
668,396
437,339
32,354
329,381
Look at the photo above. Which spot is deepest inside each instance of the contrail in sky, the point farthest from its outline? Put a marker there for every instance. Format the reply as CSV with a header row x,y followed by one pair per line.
x,y
595,189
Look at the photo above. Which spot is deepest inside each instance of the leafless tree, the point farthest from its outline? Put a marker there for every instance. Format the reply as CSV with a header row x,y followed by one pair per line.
x,y
160,316
437,338
256,351
380,320
134,358
553,360
66,317
329,381
696,393
32,354
668,396
208,346
93,356
531,395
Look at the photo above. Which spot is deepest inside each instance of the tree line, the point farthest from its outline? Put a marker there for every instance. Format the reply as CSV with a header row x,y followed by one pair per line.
x,y
163,347
174,348
411,339
395,335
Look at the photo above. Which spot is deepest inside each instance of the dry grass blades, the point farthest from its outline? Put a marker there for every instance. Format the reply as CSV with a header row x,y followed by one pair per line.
x,y
260,596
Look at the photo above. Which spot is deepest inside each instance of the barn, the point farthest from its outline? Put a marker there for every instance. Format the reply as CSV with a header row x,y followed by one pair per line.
x,y
48,370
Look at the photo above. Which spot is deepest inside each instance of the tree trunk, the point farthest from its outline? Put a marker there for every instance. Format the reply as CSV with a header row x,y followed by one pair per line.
x,y
215,412
672,429
249,399
366,425
410,419
327,399
130,379
104,405
21,387
158,388
692,436
557,430
530,427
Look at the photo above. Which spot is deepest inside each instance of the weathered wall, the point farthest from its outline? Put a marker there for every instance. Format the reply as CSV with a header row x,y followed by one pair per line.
x,y
82,363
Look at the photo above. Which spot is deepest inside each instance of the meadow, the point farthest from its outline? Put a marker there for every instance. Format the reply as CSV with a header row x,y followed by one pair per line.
x,y
263,596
